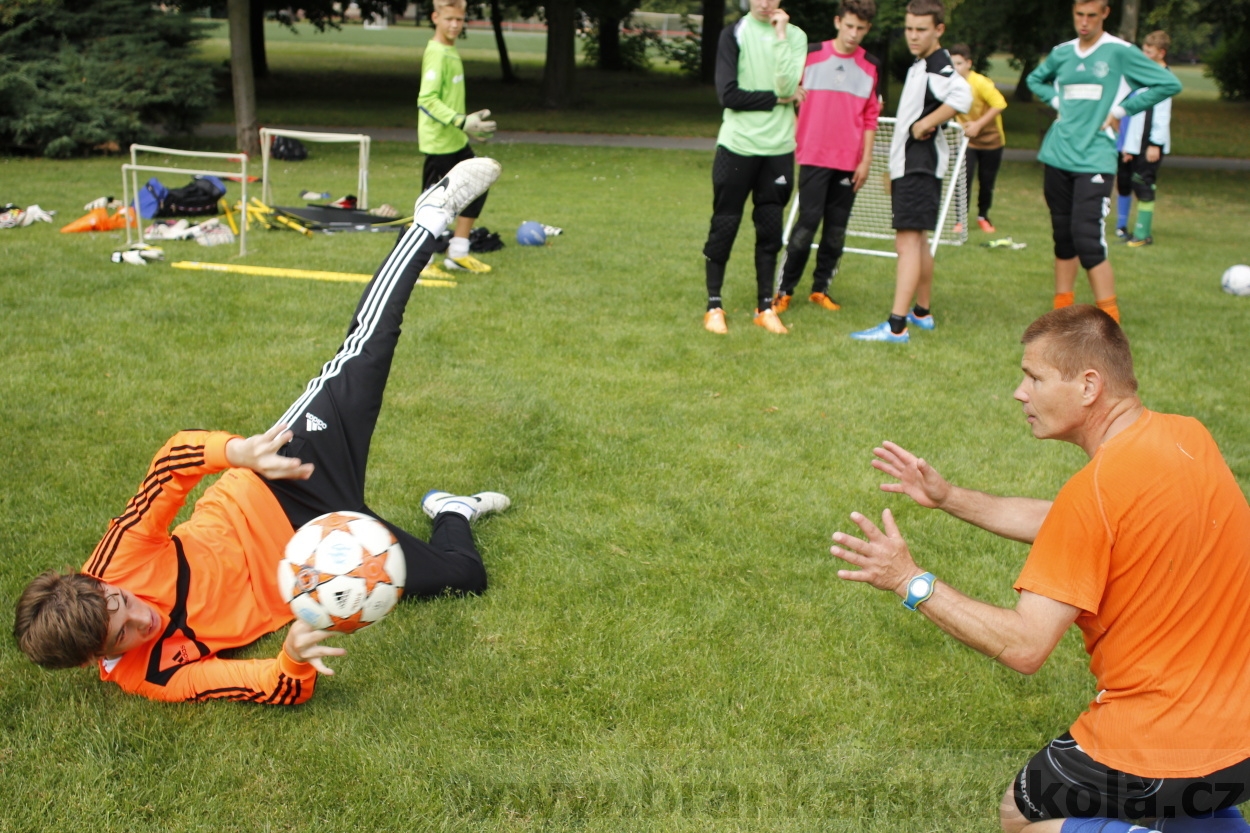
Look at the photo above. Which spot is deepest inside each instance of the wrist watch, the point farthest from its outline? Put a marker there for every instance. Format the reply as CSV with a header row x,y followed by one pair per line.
x,y
919,590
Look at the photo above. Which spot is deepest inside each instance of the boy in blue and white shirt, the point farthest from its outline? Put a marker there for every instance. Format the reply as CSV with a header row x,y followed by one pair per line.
x,y
1143,142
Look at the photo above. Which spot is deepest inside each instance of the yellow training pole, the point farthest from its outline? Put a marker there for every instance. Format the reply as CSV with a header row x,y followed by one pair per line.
x,y
276,272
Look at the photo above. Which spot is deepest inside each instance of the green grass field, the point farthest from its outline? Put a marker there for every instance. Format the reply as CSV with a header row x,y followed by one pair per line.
x,y
665,645
370,78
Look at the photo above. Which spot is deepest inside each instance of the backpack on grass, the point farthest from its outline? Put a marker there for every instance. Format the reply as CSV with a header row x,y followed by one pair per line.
x,y
196,199
287,149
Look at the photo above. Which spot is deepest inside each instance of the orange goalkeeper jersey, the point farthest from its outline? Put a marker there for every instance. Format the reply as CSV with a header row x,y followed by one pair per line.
x,y
213,580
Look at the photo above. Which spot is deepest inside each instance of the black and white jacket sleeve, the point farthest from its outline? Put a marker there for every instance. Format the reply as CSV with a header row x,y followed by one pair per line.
x,y
727,90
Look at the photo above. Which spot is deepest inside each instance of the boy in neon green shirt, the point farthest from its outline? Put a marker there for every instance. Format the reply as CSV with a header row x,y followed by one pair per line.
x,y
444,129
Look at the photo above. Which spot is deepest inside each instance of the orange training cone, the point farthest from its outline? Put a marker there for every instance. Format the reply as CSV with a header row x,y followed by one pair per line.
x,y
93,220
98,219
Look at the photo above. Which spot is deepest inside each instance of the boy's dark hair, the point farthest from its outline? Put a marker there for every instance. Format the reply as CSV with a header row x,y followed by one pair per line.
x,y
865,10
962,50
932,8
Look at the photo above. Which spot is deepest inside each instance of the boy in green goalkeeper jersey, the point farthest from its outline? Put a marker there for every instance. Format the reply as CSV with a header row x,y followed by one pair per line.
x,y
444,128
1086,80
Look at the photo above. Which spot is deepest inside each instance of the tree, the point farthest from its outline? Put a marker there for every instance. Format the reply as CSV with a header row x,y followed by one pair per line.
x,y
713,22
242,79
558,86
496,23
76,75
1229,62
1128,19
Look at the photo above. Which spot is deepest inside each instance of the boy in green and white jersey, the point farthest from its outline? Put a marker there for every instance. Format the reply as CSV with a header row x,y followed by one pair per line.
x,y
759,63
444,129
1087,80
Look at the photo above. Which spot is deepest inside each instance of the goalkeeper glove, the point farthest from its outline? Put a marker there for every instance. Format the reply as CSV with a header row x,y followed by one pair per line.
x,y
478,125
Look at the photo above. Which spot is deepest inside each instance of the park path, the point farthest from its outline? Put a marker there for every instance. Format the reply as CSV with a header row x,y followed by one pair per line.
x,y
616,140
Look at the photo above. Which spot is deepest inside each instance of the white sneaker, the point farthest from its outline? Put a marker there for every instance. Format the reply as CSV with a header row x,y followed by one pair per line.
x,y
449,196
103,202
470,506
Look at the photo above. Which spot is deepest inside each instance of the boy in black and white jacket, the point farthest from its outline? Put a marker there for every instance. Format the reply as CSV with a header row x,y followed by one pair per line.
x,y
933,93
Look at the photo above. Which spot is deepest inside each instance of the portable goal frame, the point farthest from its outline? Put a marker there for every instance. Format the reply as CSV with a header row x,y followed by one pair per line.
x,y
362,173
130,184
871,214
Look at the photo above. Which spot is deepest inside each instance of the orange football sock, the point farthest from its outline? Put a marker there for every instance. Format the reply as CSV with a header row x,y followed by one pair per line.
x,y
1064,299
1110,307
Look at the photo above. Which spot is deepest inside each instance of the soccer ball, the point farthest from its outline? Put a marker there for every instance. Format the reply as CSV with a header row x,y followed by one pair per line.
x,y
531,233
1236,280
342,571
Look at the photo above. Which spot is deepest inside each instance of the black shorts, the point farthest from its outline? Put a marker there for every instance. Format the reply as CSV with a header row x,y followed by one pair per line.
x,y
1078,204
1062,781
914,201
437,165
1137,176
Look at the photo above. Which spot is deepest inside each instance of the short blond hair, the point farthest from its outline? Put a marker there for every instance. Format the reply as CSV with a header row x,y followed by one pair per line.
x,y
1159,39
450,4
1083,337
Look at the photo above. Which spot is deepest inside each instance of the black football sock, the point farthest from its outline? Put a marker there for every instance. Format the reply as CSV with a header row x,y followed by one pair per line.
x,y
919,311
898,323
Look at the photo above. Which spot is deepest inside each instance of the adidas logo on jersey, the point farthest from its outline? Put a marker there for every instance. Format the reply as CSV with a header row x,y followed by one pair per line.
x,y
312,423
1080,67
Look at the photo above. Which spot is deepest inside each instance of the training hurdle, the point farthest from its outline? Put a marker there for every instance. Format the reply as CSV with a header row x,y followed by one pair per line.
x,y
278,272
130,184
362,173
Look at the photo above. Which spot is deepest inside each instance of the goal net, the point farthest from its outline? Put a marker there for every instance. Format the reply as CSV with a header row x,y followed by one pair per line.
x,y
871,216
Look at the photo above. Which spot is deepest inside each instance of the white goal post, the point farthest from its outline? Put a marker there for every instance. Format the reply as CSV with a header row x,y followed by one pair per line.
x,y
871,216
362,173
130,181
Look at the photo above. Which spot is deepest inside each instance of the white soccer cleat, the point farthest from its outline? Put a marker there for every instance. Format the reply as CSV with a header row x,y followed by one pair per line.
x,y
469,506
449,196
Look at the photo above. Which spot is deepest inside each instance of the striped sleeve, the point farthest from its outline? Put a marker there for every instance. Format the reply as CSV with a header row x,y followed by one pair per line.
x,y
175,470
273,682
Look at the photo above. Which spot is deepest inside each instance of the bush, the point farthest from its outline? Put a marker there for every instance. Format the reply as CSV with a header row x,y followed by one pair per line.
x,y
1229,64
82,74
635,54
686,51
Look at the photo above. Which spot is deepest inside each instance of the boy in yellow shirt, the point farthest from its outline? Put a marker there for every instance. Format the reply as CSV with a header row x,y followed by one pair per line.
x,y
983,125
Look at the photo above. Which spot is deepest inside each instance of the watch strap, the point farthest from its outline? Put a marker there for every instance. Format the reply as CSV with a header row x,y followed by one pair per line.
x,y
914,600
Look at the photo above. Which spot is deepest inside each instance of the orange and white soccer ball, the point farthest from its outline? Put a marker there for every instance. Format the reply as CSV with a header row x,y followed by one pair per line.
x,y
342,571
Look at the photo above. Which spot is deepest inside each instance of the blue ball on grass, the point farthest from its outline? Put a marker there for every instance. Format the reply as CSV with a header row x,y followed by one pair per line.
x,y
531,233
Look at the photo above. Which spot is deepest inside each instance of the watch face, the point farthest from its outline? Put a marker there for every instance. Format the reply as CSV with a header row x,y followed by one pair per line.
x,y
918,586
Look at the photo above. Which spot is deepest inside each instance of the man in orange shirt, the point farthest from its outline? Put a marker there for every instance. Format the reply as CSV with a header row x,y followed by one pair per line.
x,y
1147,550
155,608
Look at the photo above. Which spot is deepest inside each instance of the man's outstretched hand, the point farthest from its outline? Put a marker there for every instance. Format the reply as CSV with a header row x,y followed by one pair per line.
x,y
259,453
881,556
303,644
916,478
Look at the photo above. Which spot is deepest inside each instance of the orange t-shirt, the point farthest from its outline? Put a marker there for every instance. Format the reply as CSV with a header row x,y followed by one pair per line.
x,y
1151,540
213,580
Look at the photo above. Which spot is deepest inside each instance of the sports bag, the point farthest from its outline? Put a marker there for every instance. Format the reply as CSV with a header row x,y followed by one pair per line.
x,y
287,149
196,199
